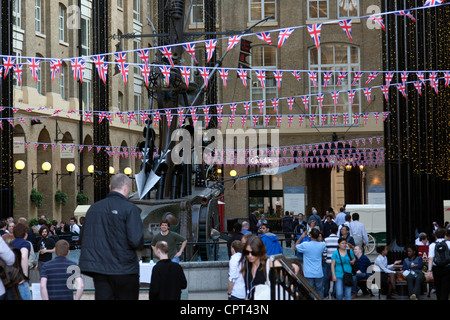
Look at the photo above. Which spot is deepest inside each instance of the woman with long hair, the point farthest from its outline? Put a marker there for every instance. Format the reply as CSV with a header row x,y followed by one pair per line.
x,y
253,263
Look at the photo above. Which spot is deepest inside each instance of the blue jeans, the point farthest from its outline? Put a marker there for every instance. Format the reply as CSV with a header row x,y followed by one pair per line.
x,y
342,291
24,290
317,284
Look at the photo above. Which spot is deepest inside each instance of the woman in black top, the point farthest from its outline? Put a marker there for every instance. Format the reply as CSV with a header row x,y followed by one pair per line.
x,y
253,265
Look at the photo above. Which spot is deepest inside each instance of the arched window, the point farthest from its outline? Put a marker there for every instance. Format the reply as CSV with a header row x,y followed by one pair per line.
x,y
334,58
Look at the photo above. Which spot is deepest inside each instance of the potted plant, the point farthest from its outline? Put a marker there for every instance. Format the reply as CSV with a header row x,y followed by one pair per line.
x,y
82,199
36,198
61,197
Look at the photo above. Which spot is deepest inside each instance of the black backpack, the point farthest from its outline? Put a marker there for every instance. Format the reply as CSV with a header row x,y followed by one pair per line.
x,y
441,254
11,276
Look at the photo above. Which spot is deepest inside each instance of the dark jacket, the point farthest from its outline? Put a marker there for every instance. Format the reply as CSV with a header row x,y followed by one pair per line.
x,y
167,281
112,232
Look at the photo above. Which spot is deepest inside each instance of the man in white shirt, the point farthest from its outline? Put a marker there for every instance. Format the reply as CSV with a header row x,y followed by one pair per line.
x,y
358,231
236,284
441,275
340,218
74,227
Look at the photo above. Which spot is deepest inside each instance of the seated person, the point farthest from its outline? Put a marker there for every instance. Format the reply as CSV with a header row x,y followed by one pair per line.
x,y
412,270
362,263
387,274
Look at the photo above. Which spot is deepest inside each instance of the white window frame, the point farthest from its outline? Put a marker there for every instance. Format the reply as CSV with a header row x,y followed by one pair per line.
x,y
254,110
62,82
87,95
137,11
17,13
86,46
62,23
317,2
137,106
351,68
348,15
263,4
38,16
137,59
201,5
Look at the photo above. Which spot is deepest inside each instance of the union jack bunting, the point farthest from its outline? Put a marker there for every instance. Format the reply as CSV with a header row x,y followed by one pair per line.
x,y
186,74
351,96
224,76
378,19
290,102
323,118
301,117
334,117
305,100
290,118
297,75
55,66
346,25
219,109
418,87
371,77
314,31
18,71
207,120
144,55
389,76
233,108
366,118
447,78
266,120
326,78
204,72
88,116
342,76
275,103
255,120
220,120
124,71
145,71
385,115
233,41
421,77
265,36
278,75
131,116
376,116
313,77
8,64
261,75
345,118
335,96
279,119
358,76
102,68
243,120
432,3
101,116
181,116
385,90
404,76
284,35
242,73
210,46
367,93
401,87
405,13
78,66
169,117
247,106
167,52
194,119
190,48
356,117
320,97
34,63
312,118
165,70
261,105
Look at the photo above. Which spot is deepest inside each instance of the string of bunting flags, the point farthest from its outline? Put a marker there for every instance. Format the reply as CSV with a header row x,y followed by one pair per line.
x,y
366,151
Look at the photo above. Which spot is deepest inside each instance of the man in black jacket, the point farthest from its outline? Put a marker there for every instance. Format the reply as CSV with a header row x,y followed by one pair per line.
x,y
111,234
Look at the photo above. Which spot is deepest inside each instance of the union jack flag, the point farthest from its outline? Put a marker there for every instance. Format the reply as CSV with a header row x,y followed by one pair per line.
x,y
367,93
186,74
261,105
290,118
366,118
181,116
290,102
131,116
205,75
326,78
323,118
283,36
101,116
405,13
207,120
314,31
265,36
233,108
376,115
342,76
335,96
78,66
233,41
55,66
101,67
418,87
255,120
313,77
194,119
242,73
305,100
144,55
167,52
301,117
346,25
190,48
358,76
210,46
404,76
385,90
312,118
224,76
351,96
320,99
165,70
219,120
297,75
219,109
385,115
389,78
145,71
266,120
261,75
279,119
243,119
8,64
275,103
18,71
334,117
247,106
432,3
401,87
345,118
124,71
447,78
371,77
421,77
278,75
88,116
34,63
378,19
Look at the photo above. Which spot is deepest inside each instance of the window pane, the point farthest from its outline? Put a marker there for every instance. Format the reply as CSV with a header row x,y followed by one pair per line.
x,y
348,8
255,10
269,10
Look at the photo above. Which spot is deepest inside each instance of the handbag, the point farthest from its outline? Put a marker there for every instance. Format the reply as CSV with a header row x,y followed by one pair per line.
x,y
262,291
348,277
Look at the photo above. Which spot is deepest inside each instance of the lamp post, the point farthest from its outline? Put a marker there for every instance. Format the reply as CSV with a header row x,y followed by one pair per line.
x,y
20,165
70,169
46,167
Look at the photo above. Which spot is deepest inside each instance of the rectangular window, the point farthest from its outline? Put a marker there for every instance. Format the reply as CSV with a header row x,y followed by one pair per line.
x,y
85,36
18,55
87,95
38,13
260,9
17,13
137,107
119,4
62,23
137,59
318,9
348,8
137,10
197,12
62,83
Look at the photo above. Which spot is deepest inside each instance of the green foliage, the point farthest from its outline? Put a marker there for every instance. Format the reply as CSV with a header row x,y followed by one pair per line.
x,y
82,199
61,197
37,198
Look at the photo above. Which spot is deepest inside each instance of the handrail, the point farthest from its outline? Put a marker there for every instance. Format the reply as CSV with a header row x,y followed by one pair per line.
x,y
286,284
